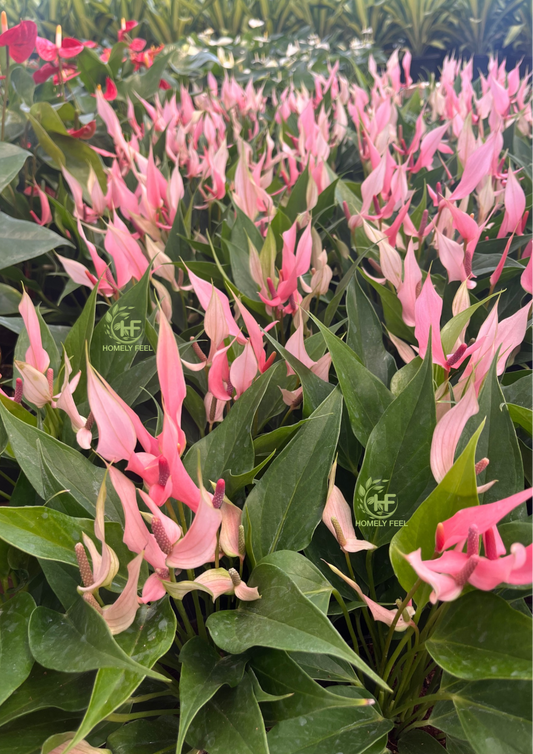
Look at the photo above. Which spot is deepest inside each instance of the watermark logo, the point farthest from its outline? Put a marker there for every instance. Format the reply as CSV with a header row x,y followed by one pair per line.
x,y
377,506
122,325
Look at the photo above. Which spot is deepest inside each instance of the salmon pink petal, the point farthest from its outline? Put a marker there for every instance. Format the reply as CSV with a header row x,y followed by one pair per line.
x,y
428,310
153,589
170,372
36,356
448,432
120,615
198,545
116,433
444,587
243,370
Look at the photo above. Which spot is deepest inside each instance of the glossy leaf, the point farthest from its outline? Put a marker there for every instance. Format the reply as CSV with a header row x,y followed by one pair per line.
x,y
43,532
419,742
69,468
292,624
48,688
481,637
325,668
15,656
78,641
21,240
365,336
331,730
28,738
229,447
307,577
230,721
285,506
203,673
396,463
12,159
145,737
365,395
148,638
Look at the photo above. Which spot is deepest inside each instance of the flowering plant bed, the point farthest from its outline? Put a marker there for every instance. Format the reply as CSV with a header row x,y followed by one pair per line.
x,y
266,411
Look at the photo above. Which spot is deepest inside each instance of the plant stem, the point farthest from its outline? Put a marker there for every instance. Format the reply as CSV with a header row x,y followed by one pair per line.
x,y
4,103
185,618
347,618
118,717
394,623
147,697
429,699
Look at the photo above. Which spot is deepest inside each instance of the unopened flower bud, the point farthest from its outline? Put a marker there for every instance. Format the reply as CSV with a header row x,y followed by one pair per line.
x,y
161,537
86,572
405,612
218,496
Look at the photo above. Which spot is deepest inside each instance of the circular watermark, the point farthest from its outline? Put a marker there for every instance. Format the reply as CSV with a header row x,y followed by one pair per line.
x,y
377,506
122,325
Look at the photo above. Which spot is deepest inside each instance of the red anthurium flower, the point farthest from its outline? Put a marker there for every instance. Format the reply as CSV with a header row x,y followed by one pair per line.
x,y
164,84
125,27
65,74
90,43
110,92
44,73
62,48
137,45
20,40
85,132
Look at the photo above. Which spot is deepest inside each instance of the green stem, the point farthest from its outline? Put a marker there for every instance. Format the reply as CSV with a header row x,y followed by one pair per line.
x,y
183,520
117,717
347,618
147,697
4,103
197,609
185,618
429,699
410,594
7,478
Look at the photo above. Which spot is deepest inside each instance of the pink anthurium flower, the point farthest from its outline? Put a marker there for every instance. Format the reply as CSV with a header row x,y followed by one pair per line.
x,y
219,581
515,205
379,613
65,401
36,356
337,516
448,432
296,259
37,387
199,543
428,310
120,615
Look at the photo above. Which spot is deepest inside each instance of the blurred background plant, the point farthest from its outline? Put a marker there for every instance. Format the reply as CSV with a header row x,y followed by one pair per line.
x,y
426,27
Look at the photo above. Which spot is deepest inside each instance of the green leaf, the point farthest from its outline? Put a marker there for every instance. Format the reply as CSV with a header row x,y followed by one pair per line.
x,y
454,327
243,233
69,468
340,729
365,334
276,440
309,580
12,159
229,448
148,638
521,416
365,395
230,721
81,333
43,532
495,714
396,462
457,490
481,637
48,688
285,506
281,676
498,443
10,299
392,311
130,309
145,737
203,672
325,668
519,392
15,657
21,240
28,738
292,623
78,641
419,742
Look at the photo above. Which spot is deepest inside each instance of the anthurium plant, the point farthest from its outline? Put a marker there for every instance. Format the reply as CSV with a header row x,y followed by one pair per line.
x,y
265,424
